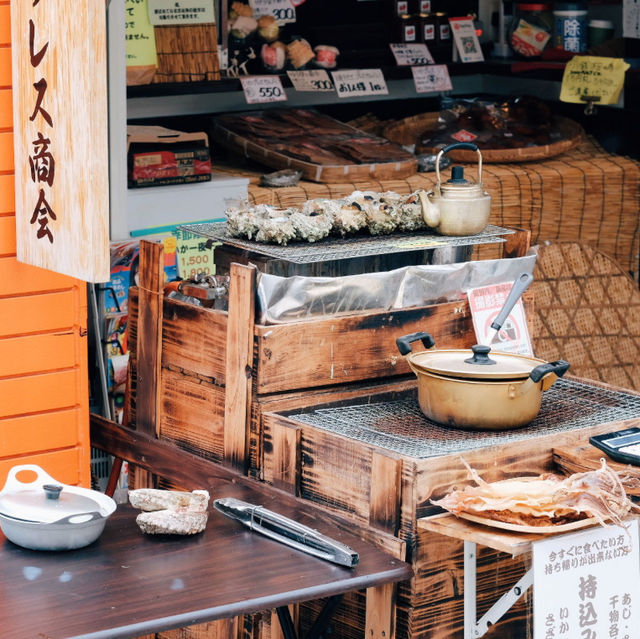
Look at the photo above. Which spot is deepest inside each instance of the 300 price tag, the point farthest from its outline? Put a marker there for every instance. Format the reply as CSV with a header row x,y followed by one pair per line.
x,y
431,78
282,10
316,80
263,88
357,82
411,54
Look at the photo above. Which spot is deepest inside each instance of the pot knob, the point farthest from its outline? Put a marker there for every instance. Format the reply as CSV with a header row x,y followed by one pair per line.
x,y
480,355
52,491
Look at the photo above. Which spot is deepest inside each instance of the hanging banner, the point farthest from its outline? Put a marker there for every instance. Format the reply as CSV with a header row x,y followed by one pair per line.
x,y
60,136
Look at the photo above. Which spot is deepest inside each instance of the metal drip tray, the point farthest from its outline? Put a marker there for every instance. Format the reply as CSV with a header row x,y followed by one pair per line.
x,y
399,425
348,248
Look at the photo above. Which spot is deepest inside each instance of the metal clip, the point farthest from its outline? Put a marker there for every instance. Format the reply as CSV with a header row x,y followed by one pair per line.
x,y
590,108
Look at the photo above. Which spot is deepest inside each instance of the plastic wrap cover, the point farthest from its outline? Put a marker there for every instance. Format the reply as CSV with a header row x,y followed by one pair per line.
x,y
286,299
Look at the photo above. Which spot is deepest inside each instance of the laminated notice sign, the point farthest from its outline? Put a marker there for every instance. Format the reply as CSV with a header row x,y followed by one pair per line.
x,y
593,76
486,303
587,584
434,77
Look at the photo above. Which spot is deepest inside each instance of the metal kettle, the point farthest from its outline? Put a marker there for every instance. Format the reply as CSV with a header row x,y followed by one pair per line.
x,y
457,207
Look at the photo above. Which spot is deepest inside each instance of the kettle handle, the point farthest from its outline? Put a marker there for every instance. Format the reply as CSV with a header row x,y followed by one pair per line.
x,y
452,147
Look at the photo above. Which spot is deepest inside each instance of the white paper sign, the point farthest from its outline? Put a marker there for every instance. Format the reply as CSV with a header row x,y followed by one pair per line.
x,y
263,88
631,18
486,303
166,12
315,80
282,10
587,584
431,78
465,40
358,82
411,54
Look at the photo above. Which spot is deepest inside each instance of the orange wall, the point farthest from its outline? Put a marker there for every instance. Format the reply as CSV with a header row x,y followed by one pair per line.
x,y
44,415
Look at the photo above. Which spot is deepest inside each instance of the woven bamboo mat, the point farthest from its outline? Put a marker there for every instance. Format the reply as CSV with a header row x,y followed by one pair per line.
x,y
587,311
586,195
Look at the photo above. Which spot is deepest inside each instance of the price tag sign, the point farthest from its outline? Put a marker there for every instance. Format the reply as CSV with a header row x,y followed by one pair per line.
x,y
282,10
263,88
587,75
167,12
411,54
316,80
431,78
358,82
587,584
193,254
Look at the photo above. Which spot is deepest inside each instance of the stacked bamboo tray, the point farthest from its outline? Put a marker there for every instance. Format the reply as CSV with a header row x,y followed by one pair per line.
x,y
586,195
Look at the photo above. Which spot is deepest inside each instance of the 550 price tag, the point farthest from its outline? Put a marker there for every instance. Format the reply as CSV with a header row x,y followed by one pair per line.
x,y
263,88
316,80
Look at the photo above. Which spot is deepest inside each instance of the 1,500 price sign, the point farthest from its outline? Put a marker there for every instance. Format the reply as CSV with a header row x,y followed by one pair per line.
x,y
263,88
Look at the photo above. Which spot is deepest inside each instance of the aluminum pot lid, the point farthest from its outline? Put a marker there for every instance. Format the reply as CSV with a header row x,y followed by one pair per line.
x,y
478,363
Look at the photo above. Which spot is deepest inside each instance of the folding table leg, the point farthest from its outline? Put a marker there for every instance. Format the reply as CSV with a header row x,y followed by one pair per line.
x,y
320,624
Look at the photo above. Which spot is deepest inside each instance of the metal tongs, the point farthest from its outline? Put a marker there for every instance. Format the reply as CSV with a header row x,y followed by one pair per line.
x,y
287,531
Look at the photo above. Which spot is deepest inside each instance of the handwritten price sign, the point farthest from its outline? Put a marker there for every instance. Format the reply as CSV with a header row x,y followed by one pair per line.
x,y
282,10
263,88
358,82
411,54
431,78
316,80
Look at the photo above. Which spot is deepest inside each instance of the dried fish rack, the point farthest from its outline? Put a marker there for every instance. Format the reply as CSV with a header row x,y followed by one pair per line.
x,y
344,256
377,459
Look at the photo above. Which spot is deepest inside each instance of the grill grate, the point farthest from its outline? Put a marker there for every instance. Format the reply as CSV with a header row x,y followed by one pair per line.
x,y
348,248
400,426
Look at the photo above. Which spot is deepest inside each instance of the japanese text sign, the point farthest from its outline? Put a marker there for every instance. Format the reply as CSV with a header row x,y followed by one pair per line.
x,y
263,88
282,10
486,303
358,82
587,75
167,12
434,77
312,80
587,585
411,54
59,76
139,35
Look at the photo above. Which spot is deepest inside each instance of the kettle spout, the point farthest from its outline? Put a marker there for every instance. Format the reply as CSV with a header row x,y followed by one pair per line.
x,y
430,211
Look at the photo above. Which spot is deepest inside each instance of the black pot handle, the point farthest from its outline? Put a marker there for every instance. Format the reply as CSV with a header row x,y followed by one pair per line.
x,y
559,367
459,145
404,343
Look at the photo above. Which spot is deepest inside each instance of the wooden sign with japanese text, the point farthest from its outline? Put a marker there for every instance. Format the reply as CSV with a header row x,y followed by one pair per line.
x,y
60,136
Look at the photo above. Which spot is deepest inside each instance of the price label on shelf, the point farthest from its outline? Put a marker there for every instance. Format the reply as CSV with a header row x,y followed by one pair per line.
x,y
431,78
282,10
411,54
316,80
263,88
358,82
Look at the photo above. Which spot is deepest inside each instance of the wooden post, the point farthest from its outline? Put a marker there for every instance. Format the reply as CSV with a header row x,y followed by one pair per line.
x,y
149,346
517,244
237,402
286,457
385,492
381,612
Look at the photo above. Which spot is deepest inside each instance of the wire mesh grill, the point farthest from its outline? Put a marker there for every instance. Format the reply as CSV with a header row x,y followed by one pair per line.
x,y
400,426
347,248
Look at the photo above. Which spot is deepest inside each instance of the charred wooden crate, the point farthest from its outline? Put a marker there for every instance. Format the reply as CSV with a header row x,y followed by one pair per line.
x,y
377,459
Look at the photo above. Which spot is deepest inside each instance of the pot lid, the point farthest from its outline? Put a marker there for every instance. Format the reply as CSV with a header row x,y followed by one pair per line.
x,y
45,504
478,363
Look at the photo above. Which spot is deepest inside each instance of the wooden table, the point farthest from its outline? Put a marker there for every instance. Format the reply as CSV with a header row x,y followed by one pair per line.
x,y
128,584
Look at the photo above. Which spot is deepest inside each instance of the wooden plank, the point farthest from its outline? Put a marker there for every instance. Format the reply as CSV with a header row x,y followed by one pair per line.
x,y
19,279
517,244
512,543
380,612
5,66
239,363
37,353
38,393
194,339
149,337
36,313
40,432
7,235
6,146
352,348
286,456
385,491
7,196
49,75
6,109
5,25
62,465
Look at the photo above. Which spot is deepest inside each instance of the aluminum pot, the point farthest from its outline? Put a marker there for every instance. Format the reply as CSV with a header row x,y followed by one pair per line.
x,y
478,389
44,514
